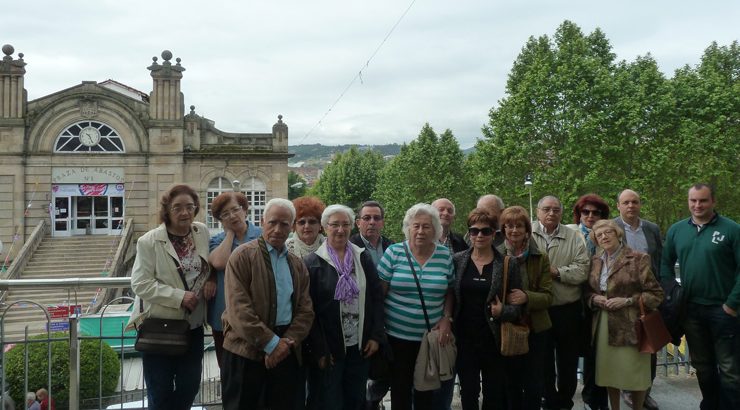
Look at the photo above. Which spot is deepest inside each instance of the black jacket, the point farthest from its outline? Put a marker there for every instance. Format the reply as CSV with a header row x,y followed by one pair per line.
x,y
326,336
357,240
511,313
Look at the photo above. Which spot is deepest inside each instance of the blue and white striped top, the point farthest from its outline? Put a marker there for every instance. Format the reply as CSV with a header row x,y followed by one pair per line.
x,y
404,317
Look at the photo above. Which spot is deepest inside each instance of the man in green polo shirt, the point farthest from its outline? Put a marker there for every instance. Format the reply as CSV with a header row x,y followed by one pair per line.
x,y
707,248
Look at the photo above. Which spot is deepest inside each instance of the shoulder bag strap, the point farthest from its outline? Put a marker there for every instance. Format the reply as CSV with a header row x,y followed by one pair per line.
x,y
506,281
418,286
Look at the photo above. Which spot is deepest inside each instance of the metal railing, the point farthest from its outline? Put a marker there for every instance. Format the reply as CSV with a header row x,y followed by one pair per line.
x,y
24,255
210,388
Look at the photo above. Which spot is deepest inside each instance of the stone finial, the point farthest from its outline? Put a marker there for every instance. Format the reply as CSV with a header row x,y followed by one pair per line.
x,y
167,55
192,110
166,67
280,118
8,50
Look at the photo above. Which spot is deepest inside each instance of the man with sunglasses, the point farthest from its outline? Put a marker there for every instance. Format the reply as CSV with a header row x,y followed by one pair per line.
x,y
569,264
370,222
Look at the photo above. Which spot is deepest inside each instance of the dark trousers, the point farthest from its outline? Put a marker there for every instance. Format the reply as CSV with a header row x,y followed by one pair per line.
x,y
524,378
595,396
341,386
402,377
561,355
443,396
478,357
714,346
218,343
172,382
244,381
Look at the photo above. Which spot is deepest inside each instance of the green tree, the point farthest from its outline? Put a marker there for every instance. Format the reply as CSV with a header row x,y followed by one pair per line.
x,y
428,168
90,351
581,122
350,178
296,185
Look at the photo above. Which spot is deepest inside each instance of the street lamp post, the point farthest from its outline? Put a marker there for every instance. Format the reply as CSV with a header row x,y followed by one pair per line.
x,y
528,184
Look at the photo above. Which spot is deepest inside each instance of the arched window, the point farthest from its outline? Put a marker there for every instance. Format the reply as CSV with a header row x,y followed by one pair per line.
x,y
89,136
253,188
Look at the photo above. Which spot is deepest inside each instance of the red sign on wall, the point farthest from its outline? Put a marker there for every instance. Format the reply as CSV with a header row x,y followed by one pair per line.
x,y
63,312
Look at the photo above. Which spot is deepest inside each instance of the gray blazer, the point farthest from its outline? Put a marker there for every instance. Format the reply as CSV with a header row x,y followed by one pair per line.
x,y
654,242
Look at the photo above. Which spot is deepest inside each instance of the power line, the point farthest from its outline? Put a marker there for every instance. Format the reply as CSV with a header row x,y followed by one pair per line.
x,y
359,73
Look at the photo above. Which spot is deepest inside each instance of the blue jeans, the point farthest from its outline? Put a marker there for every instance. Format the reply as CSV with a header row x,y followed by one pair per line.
x,y
714,347
172,382
341,386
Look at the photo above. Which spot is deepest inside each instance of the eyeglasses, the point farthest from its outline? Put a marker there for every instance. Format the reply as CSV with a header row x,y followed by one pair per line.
x,y
473,231
226,214
376,218
339,226
311,221
517,227
190,208
548,209
590,212
606,232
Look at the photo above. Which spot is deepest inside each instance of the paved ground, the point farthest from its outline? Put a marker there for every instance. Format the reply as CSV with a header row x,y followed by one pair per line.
x,y
673,392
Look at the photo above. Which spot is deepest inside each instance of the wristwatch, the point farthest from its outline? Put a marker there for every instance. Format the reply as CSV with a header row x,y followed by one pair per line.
x,y
449,317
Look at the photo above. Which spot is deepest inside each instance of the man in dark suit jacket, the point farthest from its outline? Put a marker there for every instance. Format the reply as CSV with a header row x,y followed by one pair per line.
x,y
643,236
370,222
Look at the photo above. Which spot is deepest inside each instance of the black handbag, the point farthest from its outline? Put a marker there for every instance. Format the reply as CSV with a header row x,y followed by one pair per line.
x,y
169,337
163,336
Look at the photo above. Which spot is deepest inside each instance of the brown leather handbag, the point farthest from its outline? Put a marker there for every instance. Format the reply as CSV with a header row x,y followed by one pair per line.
x,y
652,334
514,336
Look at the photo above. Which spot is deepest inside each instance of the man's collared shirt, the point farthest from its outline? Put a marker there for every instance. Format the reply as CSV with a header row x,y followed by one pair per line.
x,y
283,289
635,237
375,253
548,236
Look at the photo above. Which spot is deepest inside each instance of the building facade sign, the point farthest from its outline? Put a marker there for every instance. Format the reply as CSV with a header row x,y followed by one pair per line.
x,y
98,175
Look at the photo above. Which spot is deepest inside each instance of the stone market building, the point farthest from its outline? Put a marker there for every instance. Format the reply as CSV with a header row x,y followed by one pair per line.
x,y
89,157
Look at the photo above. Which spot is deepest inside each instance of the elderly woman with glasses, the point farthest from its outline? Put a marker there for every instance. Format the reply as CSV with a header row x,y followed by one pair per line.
x,y
230,208
168,278
307,235
525,381
479,312
348,327
620,277
421,256
588,210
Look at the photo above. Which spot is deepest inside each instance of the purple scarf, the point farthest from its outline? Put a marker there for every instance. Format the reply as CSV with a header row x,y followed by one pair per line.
x,y
346,289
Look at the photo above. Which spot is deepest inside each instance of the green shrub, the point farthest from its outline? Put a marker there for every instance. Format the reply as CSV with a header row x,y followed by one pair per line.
x,y
38,365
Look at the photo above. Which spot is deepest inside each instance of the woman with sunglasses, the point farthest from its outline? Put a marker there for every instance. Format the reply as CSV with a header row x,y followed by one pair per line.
x,y
307,235
588,210
479,313
525,381
620,277
230,208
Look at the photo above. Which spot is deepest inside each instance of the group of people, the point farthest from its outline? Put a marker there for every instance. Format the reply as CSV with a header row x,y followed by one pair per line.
x,y
302,310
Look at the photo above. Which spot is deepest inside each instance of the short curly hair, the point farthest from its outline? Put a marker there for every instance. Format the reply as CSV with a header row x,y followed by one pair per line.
x,y
167,197
308,206
482,215
513,215
222,199
594,200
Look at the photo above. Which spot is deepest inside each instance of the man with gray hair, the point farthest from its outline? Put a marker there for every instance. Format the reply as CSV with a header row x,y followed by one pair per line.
x,y
268,314
569,263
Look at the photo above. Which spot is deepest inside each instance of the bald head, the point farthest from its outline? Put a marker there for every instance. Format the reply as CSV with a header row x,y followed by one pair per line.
x,y
446,212
491,203
629,204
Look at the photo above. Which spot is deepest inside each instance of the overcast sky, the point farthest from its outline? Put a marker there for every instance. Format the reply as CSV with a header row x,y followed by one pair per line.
x,y
246,62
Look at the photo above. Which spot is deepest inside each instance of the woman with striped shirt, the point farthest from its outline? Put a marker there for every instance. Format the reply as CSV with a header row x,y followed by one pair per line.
x,y
404,316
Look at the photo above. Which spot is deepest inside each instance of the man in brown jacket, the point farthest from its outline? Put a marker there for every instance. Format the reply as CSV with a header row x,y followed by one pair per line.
x,y
268,314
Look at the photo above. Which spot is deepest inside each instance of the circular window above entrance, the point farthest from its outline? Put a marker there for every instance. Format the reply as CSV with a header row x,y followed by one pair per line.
x,y
89,136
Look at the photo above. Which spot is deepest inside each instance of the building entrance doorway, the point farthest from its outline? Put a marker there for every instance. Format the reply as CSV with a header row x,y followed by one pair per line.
x,y
77,214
